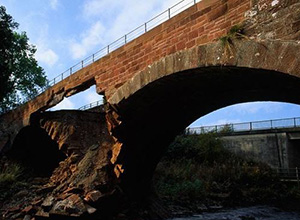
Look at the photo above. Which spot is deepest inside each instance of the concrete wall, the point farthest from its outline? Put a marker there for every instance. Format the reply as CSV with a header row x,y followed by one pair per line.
x,y
293,149
270,148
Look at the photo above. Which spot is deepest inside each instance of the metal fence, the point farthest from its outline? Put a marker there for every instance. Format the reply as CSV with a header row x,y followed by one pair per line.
x,y
147,26
247,126
91,105
291,174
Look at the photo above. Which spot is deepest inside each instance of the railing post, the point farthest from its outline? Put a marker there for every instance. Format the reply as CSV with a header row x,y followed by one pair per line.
x,y
250,126
108,49
125,39
62,76
81,63
145,27
71,71
194,2
169,13
271,124
297,175
294,122
93,57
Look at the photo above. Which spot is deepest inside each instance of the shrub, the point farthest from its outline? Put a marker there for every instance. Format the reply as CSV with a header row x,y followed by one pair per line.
x,y
9,173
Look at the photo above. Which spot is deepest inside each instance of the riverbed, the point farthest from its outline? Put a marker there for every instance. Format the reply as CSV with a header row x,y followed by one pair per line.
x,y
249,213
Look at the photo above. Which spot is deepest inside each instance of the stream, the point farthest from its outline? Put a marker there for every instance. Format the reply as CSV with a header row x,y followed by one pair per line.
x,y
249,213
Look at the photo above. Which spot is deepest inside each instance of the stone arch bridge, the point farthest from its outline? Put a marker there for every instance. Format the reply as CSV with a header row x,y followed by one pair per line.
x,y
159,83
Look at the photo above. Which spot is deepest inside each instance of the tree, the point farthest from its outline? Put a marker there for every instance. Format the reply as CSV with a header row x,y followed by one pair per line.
x,y
20,75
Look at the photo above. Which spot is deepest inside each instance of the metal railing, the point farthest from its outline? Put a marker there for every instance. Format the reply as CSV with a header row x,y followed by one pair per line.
x,y
91,105
142,29
291,174
247,126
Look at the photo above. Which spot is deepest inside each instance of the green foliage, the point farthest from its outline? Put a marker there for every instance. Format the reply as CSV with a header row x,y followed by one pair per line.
x,y
21,77
236,32
227,128
198,167
9,173
203,148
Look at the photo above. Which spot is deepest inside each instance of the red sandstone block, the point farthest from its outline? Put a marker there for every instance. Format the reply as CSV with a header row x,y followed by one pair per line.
x,y
193,34
225,25
204,4
214,14
198,25
219,34
180,45
237,21
235,3
191,44
242,9
220,20
209,26
185,21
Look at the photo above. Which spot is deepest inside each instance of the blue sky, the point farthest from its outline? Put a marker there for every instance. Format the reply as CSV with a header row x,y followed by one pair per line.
x,y
66,31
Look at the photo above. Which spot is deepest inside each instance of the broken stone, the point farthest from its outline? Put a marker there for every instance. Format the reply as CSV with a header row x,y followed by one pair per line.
x,y
22,193
63,196
40,180
37,201
72,205
74,190
74,158
42,214
27,217
48,203
15,216
90,209
94,147
46,189
28,210
93,196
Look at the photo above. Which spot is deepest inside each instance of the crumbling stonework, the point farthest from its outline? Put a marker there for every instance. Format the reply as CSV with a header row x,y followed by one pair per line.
x,y
86,177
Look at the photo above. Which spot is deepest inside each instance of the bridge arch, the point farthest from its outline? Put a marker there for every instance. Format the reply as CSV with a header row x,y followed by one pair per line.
x,y
161,101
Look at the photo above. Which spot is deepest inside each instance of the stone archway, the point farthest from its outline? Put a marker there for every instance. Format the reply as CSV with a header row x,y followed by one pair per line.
x,y
159,102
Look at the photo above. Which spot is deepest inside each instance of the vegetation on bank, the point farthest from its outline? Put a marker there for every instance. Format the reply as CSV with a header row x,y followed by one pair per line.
x,y
9,179
197,170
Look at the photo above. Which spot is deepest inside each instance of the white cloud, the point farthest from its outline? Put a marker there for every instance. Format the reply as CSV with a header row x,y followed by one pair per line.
x,y
226,121
65,104
54,4
114,20
256,107
89,40
98,7
46,56
92,97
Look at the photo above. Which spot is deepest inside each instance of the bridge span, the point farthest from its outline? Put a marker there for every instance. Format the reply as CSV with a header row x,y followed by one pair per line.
x,y
213,54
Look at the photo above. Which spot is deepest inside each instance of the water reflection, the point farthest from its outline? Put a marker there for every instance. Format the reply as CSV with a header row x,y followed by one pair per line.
x,y
250,213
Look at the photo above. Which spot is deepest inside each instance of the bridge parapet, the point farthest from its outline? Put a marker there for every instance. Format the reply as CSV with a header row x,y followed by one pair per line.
x,y
200,24
276,124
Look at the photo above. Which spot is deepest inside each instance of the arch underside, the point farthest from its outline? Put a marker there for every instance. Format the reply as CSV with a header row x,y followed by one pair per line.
x,y
155,114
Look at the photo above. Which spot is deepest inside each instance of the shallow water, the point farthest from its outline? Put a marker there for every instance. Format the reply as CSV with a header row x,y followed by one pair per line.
x,y
249,213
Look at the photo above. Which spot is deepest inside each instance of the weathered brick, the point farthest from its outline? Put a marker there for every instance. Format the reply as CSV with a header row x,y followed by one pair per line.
x,y
193,34
214,14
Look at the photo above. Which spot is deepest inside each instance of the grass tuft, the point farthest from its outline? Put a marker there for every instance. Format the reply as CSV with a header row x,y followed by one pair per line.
x,y
235,32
